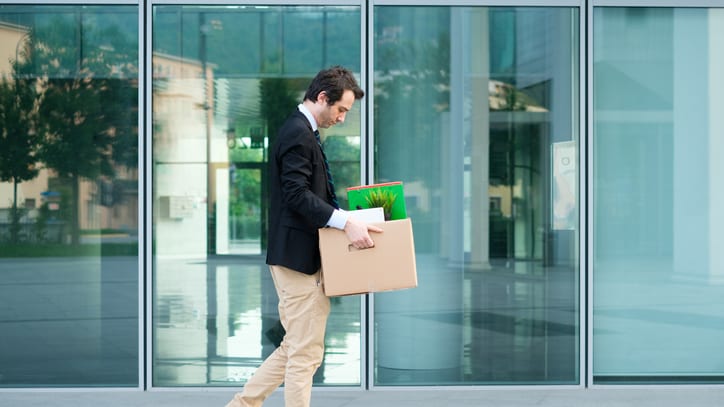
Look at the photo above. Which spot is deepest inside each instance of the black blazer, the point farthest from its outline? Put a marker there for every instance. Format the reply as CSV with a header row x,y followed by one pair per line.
x,y
300,200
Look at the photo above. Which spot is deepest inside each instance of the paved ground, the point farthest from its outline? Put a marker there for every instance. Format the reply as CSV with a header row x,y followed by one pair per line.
x,y
613,397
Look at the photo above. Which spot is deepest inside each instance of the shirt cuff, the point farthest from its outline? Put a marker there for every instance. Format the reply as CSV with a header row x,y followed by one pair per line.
x,y
338,219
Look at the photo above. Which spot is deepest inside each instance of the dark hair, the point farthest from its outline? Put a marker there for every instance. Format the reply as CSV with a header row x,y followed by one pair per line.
x,y
333,81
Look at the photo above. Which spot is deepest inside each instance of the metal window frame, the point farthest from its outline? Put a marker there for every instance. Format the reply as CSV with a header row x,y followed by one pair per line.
x,y
480,3
41,3
657,3
147,362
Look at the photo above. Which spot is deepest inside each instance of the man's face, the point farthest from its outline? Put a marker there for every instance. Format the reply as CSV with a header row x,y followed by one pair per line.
x,y
336,113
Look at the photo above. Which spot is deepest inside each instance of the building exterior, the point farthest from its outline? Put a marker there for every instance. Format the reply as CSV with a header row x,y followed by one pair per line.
x,y
560,161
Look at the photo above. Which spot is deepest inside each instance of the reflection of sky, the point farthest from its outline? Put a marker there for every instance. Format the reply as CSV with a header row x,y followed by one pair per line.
x,y
245,340
342,359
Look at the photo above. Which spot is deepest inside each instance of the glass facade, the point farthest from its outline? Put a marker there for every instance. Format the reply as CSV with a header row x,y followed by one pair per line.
x,y
69,303
480,111
224,80
658,312
489,97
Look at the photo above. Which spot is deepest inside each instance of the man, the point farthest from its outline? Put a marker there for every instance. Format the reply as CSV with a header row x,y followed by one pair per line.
x,y
302,201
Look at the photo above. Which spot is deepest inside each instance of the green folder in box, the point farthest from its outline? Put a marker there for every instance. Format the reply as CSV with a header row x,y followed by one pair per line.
x,y
390,196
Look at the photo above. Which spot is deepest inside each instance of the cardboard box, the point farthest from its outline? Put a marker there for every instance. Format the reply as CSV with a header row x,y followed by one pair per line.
x,y
390,265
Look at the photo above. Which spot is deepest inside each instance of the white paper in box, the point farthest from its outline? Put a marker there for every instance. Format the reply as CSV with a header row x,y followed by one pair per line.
x,y
389,265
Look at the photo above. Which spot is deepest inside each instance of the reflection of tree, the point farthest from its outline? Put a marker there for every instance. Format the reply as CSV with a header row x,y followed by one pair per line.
x,y
412,90
412,98
18,137
279,97
344,164
245,202
87,104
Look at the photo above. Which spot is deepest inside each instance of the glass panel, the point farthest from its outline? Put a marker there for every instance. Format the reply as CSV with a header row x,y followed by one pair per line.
x,y
69,196
658,307
224,79
489,97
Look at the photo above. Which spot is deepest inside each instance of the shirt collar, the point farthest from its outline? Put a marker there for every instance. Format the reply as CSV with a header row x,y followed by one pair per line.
x,y
308,115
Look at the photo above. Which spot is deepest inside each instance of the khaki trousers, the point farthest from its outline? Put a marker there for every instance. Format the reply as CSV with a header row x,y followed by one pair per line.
x,y
303,310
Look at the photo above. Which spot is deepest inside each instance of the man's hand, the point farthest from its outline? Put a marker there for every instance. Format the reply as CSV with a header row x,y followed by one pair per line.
x,y
358,233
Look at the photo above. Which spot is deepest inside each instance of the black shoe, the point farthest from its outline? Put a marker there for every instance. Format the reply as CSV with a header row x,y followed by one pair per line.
x,y
276,333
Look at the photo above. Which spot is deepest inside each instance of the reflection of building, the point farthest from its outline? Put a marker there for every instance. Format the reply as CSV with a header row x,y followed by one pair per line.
x,y
104,204
504,96
183,114
11,40
30,193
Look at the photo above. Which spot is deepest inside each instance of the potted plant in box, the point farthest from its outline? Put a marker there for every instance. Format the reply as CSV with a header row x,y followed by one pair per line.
x,y
378,198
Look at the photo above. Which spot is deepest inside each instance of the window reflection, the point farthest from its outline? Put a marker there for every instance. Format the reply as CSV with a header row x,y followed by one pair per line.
x,y
224,80
486,95
68,213
657,310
